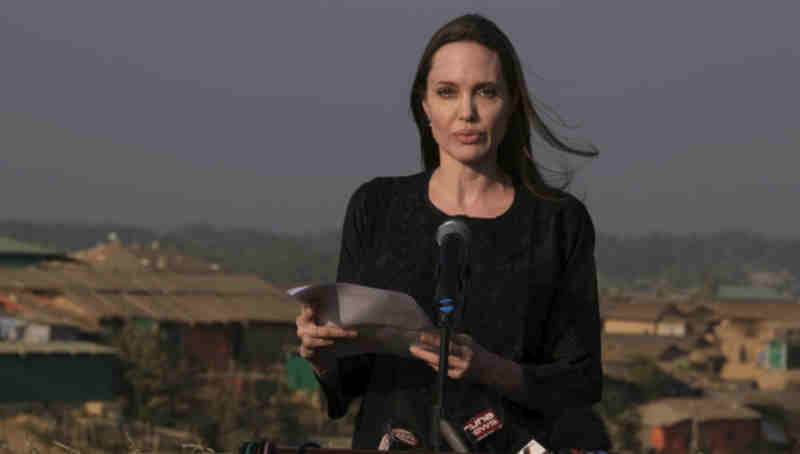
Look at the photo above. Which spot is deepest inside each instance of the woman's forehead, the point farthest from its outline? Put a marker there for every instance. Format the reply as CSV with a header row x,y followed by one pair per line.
x,y
465,61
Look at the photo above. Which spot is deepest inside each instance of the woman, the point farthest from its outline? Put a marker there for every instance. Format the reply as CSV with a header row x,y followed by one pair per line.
x,y
529,342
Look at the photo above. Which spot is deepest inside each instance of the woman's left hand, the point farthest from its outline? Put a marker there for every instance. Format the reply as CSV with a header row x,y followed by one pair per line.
x,y
466,359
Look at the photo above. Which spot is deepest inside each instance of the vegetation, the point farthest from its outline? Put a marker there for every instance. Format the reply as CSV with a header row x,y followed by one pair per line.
x,y
629,427
162,388
695,260
618,396
645,381
159,386
679,261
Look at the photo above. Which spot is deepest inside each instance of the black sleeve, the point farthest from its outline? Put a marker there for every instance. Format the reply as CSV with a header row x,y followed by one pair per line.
x,y
354,371
568,371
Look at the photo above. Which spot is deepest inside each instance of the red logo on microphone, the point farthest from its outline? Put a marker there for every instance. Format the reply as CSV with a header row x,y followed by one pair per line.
x,y
483,424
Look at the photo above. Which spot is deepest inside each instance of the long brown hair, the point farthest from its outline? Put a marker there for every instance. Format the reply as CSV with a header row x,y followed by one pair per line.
x,y
515,152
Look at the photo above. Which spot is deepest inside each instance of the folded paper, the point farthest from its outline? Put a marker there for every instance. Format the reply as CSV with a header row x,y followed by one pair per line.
x,y
387,322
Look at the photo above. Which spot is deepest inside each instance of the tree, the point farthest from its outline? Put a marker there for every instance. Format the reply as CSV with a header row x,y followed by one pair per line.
x,y
159,385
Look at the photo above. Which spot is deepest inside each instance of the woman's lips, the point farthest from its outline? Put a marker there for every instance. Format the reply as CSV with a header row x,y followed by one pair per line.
x,y
469,137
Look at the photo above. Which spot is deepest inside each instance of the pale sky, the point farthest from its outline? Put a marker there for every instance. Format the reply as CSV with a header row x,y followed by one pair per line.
x,y
269,114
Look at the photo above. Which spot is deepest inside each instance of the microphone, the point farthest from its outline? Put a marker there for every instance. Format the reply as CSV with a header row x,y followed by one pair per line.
x,y
397,438
451,436
453,237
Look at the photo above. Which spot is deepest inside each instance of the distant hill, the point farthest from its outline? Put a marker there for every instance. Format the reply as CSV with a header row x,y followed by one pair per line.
x,y
282,259
286,259
696,260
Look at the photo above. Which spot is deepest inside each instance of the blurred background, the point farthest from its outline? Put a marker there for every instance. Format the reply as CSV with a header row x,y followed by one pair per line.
x,y
169,169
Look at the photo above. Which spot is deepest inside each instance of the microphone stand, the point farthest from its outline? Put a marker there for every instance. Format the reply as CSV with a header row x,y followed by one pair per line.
x,y
449,297
445,328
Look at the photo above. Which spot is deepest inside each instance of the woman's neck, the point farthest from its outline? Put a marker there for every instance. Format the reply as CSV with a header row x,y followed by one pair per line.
x,y
483,191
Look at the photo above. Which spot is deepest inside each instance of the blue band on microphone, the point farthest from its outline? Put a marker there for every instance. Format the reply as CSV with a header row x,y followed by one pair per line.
x,y
446,309
445,300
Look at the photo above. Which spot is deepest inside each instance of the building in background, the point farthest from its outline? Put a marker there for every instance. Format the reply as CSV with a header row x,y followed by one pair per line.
x,y
44,354
749,293
218,321
644,316
684,424
760,341
205,314
58,371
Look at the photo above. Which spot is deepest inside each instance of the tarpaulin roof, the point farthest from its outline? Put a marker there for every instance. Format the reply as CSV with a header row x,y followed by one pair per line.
x,y
90,294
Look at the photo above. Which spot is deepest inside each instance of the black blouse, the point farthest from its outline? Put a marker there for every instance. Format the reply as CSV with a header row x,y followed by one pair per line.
x,y
530,296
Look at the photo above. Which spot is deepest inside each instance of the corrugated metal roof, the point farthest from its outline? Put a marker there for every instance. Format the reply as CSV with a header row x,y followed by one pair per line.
x,y
198,308
747,292
625,347
759,310
86,278
666,412
644,311
83,296
53,312
115,255
55,347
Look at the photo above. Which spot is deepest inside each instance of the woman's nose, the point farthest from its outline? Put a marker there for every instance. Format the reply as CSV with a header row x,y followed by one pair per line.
x,y
466,109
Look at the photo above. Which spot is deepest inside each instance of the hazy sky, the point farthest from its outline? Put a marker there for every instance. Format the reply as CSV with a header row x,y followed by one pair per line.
x,y
269,114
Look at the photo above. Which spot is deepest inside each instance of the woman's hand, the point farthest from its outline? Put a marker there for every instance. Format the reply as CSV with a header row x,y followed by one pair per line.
x,y
467,358
313,336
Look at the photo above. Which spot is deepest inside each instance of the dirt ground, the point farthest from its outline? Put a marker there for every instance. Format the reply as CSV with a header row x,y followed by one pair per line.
x,y
38,429
44,434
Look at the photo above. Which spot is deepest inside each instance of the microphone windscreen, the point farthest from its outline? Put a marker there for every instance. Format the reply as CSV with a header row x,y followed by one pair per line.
x,y
453,226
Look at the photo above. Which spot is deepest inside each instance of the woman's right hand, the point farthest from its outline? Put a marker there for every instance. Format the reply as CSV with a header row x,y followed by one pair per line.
x,y
313,336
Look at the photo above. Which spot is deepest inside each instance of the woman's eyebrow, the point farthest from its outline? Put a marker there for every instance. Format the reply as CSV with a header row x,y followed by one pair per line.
x,y
488,83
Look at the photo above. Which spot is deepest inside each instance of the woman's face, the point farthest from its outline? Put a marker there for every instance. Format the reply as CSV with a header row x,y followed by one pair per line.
x,y
467,102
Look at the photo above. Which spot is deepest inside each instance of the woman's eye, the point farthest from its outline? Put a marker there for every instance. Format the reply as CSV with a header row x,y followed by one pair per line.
x,y
445,92
489,92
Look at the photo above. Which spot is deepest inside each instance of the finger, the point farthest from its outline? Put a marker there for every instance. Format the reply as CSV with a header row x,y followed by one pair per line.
x,y
433,357
316,342
331,332
301,324
457,370
425,355
305,352
455,349
456,373
461,351
457,362
313,330
429,339
432,342
307,311
303,318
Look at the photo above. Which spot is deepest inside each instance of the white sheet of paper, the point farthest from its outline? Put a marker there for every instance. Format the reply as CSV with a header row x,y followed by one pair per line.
x,y
386,321
533,447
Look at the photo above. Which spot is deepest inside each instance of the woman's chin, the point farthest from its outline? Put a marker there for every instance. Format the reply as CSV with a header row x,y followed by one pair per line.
x,y
472,156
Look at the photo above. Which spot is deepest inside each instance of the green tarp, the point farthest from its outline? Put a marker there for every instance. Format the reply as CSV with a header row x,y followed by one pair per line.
x,y
782,355
299,374
776,358
58,377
